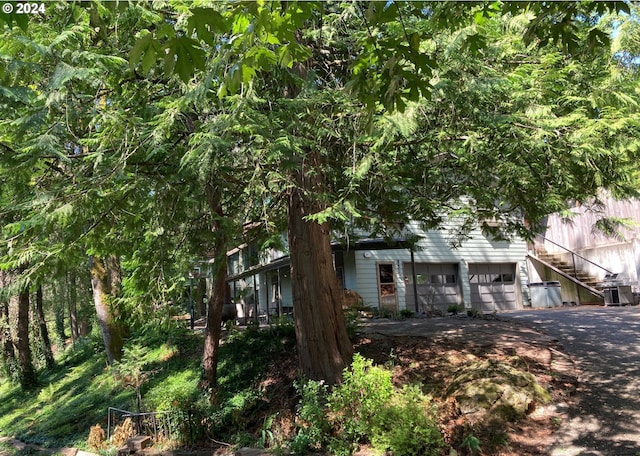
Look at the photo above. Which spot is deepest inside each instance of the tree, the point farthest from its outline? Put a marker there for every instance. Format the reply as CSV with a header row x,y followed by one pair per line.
x,y
43,330
332,115
8,355
284,62
27,373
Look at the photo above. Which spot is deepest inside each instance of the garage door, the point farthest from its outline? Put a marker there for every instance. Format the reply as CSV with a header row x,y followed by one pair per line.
x,y
437,285
493,286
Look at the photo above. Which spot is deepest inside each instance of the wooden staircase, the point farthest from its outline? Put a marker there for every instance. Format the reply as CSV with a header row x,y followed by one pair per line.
x,y
556,260
576,275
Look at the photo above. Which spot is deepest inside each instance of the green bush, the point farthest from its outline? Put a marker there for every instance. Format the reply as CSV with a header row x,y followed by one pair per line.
x,y
366,408
407,425
283,327
352,320
314,425
455,309
383,313
406,313
474,313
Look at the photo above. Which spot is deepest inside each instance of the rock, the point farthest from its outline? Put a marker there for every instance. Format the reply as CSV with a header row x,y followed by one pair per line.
x,y
138,443
84,453
68,451
491,389
250,452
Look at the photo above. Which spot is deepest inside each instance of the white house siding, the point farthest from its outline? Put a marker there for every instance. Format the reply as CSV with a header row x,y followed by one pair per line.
x,y
434,251
577,234
366,265
433,256
350,276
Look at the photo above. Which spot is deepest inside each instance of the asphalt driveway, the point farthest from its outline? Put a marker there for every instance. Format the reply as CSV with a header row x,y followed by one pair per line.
x,y
604,342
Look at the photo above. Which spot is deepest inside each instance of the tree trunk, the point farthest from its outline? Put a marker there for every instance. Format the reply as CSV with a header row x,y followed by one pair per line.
x,y
105,282
59,310
324,348
216,301
73,306
8,353
6,341
44,332
27,373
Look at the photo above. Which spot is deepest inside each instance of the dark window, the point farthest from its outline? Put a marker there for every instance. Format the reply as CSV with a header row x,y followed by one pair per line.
x,y
386,273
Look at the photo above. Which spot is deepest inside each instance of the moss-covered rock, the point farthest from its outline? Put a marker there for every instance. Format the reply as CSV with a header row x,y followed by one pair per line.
x,y
495,390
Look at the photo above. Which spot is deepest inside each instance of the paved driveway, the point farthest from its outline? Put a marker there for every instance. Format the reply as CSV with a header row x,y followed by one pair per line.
x,y
605,344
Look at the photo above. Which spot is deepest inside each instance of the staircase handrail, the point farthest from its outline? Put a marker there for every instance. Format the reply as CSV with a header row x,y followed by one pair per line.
x,y
573,255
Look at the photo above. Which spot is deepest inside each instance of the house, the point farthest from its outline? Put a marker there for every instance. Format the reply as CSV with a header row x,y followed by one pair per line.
x,y
483,274
576,252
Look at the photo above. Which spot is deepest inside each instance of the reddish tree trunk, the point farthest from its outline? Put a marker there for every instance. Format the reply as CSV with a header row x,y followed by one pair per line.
x,y
214,322
73,306
324,348
105,282
6,341
27,372
44,332
216,301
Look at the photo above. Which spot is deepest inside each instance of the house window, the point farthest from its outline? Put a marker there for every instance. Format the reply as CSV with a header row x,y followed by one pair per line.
x,y
443,279
233,264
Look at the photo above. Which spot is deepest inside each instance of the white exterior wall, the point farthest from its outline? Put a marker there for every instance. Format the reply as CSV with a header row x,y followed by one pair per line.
x,y
350,276
367,274
435,248
577,234
361,272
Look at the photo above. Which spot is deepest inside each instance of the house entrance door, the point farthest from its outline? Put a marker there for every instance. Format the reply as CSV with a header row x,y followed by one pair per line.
x,y
387,291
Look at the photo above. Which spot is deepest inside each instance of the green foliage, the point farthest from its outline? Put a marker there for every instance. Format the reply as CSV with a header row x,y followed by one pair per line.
x,y
366,408
455,309
406,313
176,391
383,313
474,313
314,423
471,443
352,320
79,387
283,326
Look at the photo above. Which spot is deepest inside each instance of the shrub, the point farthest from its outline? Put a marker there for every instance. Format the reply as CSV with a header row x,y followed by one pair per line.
x,y
312,421
474,313
455,309
366,408
352,319
383,313
97,438
406,313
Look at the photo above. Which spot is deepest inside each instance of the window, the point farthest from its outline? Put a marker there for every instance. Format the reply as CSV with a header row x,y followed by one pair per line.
x,y
386,273
443,279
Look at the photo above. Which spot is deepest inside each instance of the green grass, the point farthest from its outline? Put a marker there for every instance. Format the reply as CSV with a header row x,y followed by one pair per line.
x,y
77,393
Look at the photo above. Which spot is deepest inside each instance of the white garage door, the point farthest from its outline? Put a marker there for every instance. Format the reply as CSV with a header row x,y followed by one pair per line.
x,y
493,286
438,287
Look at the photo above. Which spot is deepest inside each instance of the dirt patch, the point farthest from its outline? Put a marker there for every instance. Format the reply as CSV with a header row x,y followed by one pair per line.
x,y
501,360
